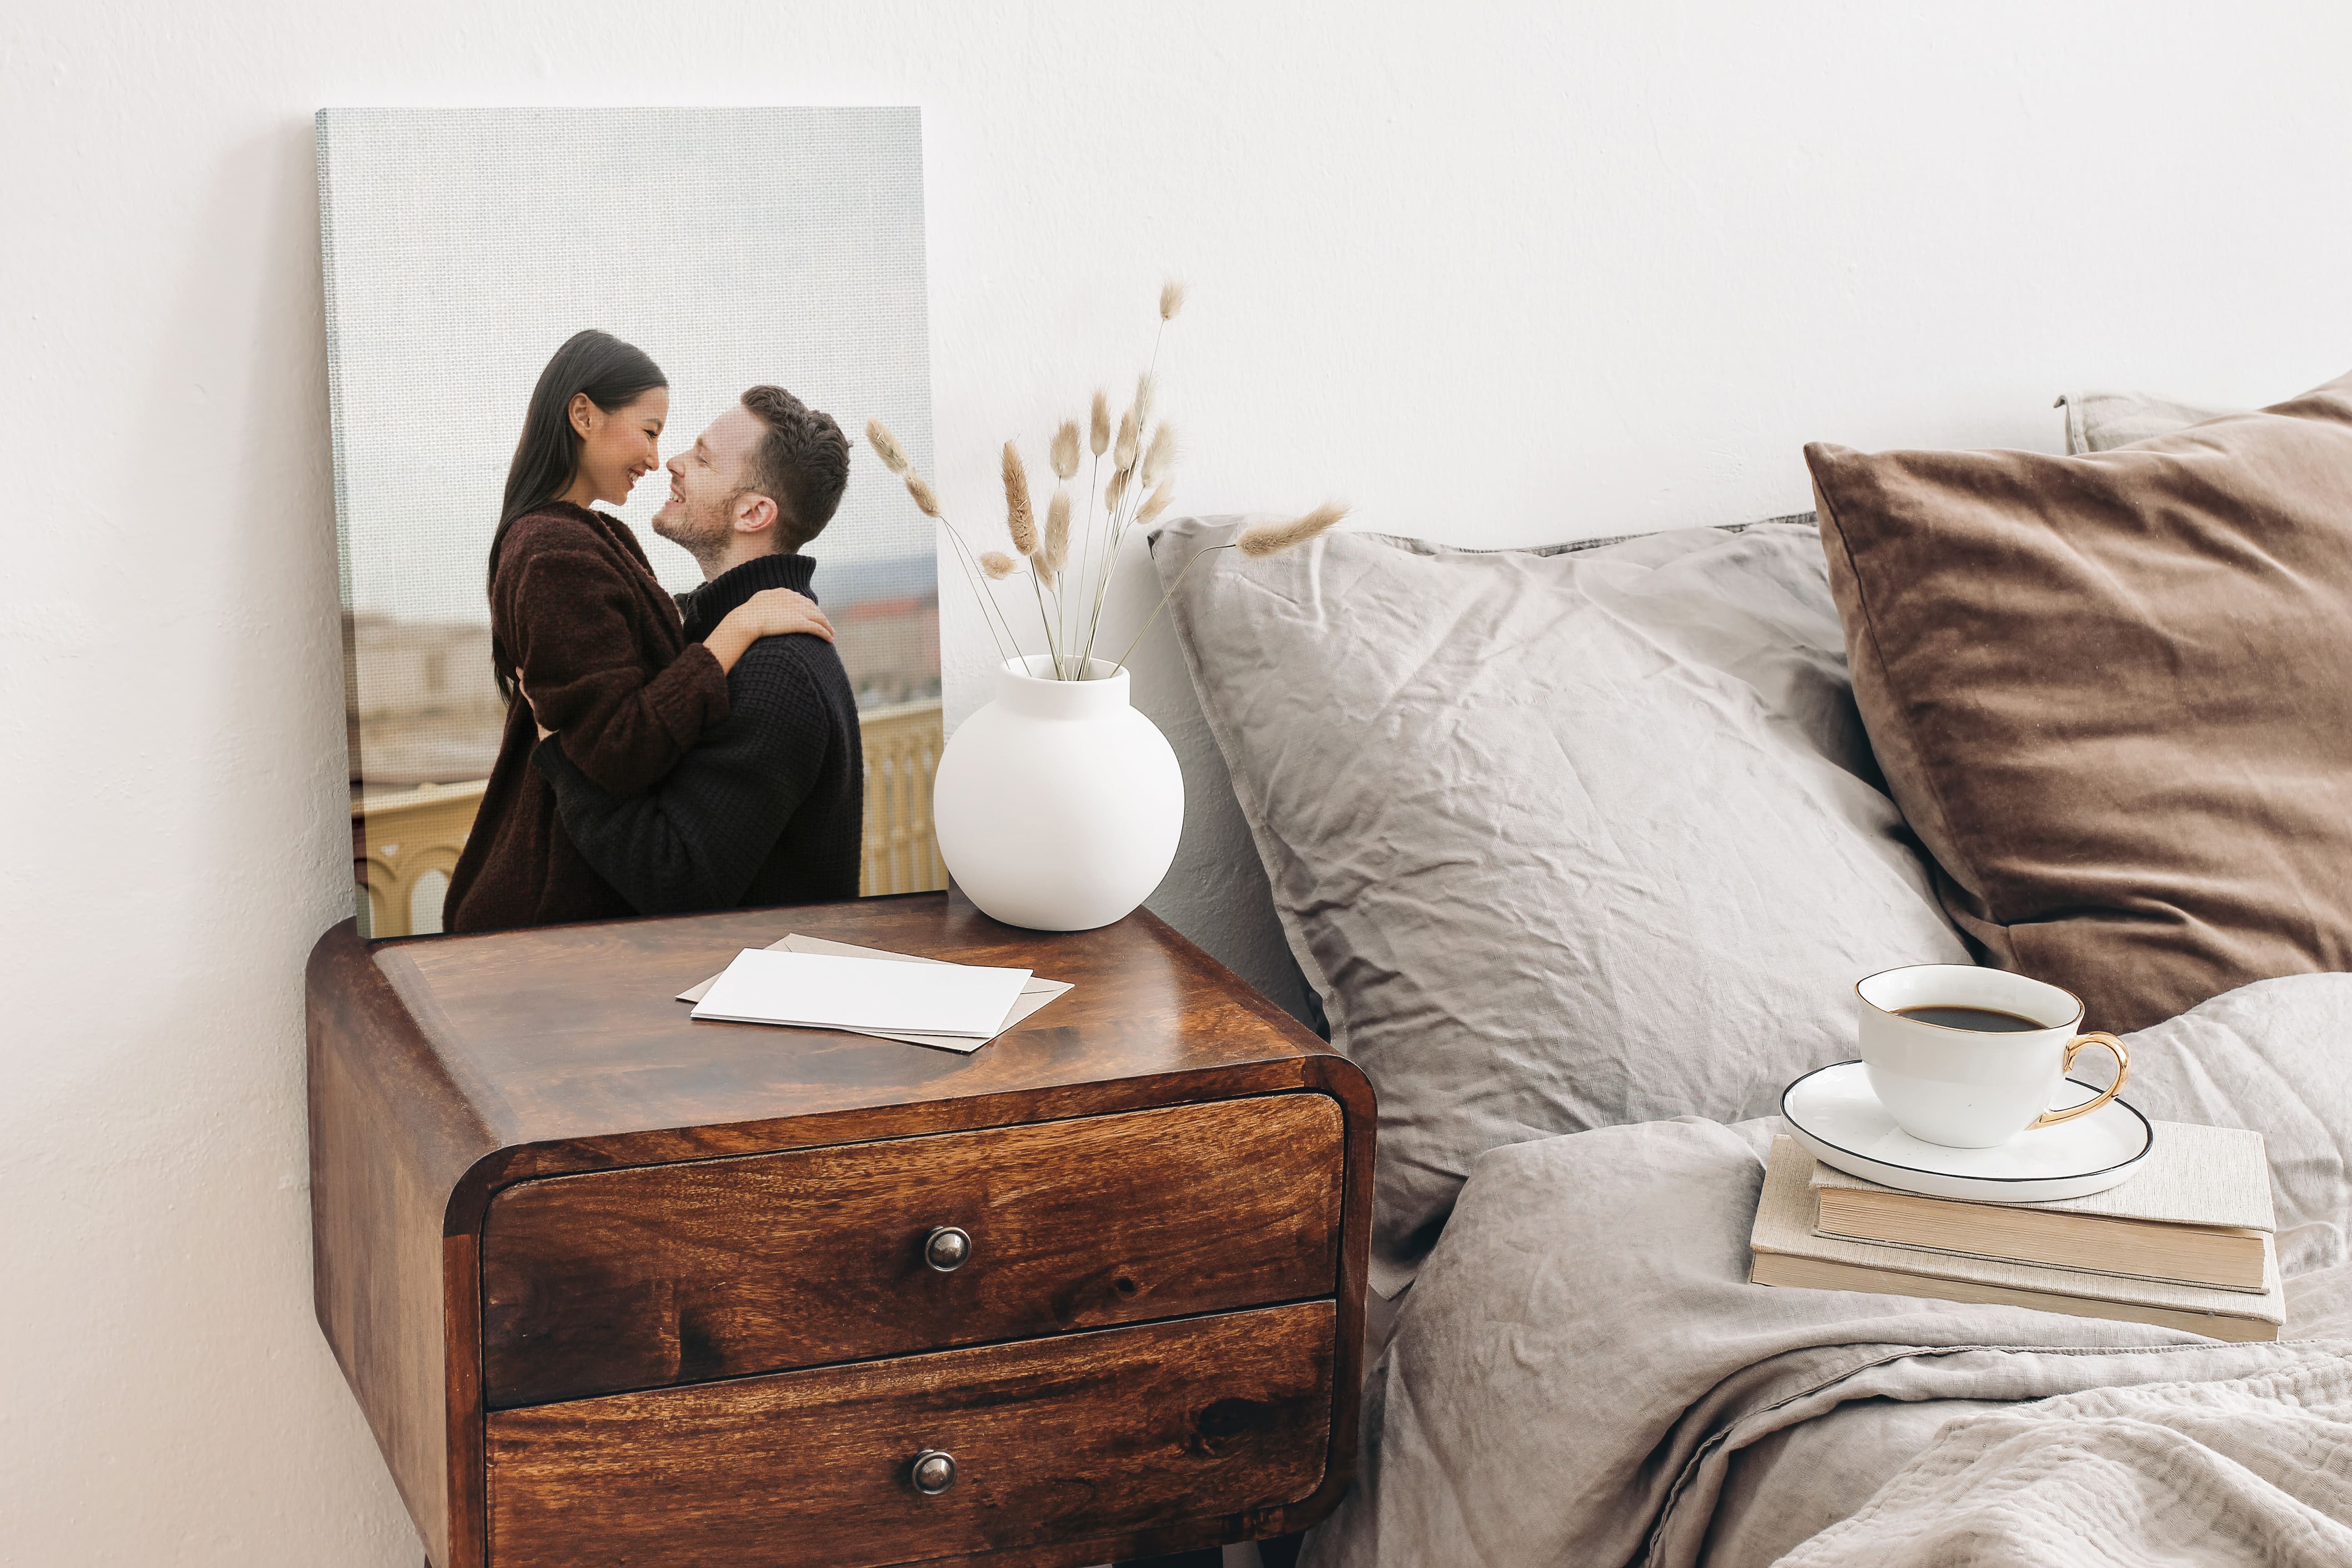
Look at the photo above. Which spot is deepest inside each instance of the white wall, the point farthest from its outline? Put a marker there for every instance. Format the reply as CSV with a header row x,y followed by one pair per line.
x,y
1499,276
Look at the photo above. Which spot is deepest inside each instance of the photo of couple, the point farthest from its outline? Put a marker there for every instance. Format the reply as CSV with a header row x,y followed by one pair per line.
x,y
625,633
662,755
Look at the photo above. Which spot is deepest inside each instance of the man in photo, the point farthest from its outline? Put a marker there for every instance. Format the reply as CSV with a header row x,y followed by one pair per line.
x,y
769,805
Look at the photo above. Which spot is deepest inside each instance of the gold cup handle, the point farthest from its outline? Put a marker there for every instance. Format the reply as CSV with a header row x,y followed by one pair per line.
x,y
2123,1071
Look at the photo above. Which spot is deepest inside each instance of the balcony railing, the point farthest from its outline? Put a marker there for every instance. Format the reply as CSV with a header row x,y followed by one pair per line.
x,y
405,843
403,846
902,752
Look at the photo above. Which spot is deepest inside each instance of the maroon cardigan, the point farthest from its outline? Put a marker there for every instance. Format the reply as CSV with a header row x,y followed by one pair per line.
x,y
598,648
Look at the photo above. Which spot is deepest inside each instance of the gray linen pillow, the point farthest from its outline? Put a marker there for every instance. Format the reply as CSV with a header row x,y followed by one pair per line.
x,y
1562,837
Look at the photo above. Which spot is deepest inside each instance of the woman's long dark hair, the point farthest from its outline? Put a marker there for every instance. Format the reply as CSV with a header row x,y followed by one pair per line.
x,y
614,375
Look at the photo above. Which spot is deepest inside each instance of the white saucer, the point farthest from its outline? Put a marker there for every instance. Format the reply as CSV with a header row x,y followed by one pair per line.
x,y
1839,1121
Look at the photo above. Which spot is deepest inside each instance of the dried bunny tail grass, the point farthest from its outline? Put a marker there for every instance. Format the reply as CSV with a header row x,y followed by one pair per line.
x,y
1115,492
1161,455
886,446
997,565
1157,502
1171,298
1274,538
1019,520
1143,389
1057,531
1065,449
1099,437
924,499
1122,455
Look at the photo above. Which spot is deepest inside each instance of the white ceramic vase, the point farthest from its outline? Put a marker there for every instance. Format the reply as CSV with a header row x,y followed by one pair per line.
x,y
1057,804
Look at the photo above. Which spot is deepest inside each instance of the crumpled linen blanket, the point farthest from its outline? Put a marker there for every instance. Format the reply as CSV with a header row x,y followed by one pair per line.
x,y
2251,1469
1583,1377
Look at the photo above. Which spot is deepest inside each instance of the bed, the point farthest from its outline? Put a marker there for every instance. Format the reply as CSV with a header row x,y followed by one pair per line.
x,y
1579,850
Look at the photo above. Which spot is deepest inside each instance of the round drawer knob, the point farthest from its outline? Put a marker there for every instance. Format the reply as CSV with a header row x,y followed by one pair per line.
x,y
934,1471
945,1249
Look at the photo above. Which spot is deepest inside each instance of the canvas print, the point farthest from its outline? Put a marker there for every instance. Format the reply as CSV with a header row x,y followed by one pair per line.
x,y
632,624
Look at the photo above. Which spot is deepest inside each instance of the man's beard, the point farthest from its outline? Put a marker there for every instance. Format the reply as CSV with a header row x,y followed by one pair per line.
x,y
699,530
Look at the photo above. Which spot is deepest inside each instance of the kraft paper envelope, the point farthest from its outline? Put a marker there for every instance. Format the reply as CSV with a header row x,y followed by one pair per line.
x,y
1035,992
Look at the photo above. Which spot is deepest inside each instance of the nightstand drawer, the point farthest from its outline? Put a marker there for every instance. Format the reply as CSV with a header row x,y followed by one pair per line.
x,y
638,1278
1063,1439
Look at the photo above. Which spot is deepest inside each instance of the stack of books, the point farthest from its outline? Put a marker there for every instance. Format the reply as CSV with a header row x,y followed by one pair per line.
x,y
2187,1242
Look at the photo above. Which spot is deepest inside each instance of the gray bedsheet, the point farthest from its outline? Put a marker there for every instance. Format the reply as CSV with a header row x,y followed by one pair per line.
x,y
1582,1375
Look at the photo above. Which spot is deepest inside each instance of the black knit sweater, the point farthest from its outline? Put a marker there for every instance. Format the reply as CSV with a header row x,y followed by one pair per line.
x,y
768,807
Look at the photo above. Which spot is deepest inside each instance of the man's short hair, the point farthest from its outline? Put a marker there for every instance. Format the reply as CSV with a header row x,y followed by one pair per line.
x,y
801,464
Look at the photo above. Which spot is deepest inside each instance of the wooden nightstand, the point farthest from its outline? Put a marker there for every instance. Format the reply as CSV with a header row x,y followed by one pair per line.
x,y
615,1286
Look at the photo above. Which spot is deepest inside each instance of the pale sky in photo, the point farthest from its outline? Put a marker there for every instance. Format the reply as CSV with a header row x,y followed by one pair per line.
x,y
733,246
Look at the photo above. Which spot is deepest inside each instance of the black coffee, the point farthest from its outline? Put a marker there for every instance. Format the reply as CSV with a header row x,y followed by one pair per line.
x,y
1984,1020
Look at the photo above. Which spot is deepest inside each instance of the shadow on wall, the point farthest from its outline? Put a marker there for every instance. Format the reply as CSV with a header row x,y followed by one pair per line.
x,y
1217,892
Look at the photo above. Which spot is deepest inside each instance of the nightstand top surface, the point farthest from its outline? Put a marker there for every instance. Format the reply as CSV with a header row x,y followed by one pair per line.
x,y
571,1034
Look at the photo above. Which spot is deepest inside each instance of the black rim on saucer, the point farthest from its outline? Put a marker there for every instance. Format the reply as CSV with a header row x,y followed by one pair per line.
x,y
2147,1137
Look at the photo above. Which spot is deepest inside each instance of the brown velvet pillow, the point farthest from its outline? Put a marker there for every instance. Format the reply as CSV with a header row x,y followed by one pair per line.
x,y
2113,695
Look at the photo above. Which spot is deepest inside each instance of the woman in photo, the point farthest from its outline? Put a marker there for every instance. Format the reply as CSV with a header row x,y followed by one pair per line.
x,y
589,647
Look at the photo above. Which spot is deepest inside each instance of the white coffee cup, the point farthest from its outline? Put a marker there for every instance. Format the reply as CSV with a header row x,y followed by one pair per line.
x,y
1973,1087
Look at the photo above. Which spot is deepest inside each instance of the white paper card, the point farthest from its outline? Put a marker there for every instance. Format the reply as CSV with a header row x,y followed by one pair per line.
x,y
1035,994
823,991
